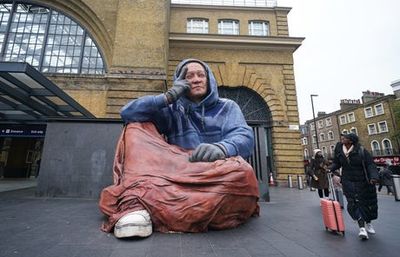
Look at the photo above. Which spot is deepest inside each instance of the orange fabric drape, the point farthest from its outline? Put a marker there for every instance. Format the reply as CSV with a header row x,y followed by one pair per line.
x,y
180,196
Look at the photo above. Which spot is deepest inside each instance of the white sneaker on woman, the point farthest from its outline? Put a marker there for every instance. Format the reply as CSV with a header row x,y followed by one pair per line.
x,y
370,229
363,234
137,223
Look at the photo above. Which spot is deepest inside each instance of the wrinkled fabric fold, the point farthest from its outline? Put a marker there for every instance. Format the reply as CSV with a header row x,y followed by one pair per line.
x,y
180,196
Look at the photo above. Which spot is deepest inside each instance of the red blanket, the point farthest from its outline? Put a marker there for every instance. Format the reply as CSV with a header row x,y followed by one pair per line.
x,y
180,196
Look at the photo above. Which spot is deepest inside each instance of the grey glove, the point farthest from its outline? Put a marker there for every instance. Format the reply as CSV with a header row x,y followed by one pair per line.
x,y
181,86
208,153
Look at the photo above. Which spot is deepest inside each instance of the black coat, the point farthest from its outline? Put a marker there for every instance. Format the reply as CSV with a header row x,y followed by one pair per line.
x,y
360,193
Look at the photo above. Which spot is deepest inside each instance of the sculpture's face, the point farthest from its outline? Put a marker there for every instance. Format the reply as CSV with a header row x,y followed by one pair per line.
x,y
197,77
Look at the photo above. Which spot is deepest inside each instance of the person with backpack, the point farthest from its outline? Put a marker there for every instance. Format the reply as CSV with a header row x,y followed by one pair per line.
x,y
359,176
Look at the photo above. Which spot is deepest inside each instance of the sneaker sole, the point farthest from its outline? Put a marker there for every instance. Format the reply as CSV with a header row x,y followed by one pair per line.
x,y
133,230
363,237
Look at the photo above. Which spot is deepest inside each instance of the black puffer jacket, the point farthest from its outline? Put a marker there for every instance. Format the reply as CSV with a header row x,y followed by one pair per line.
x,y
361,195
352,167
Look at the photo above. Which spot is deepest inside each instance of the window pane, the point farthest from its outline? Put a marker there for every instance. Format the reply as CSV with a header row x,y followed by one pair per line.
x,y
351,117
375,145
258,28
382,127
197,26
368,112
371,129
379,109
342,119
26,40
228,27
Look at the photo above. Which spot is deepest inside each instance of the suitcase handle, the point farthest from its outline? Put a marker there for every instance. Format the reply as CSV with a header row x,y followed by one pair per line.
x,y
331,187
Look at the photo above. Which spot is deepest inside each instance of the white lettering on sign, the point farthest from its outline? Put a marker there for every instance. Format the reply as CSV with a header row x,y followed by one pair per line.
x,y
17,131
37,132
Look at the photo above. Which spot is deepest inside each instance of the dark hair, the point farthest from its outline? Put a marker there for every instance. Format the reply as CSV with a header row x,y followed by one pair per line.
x,y
352,137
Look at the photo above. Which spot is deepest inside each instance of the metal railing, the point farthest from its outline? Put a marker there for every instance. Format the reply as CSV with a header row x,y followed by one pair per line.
x,y
247,3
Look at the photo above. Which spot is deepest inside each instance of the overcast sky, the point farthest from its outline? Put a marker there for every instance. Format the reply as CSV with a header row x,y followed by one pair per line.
x,y
351,46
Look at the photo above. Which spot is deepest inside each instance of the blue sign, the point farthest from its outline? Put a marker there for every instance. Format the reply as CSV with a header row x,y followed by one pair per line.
x,y
22,130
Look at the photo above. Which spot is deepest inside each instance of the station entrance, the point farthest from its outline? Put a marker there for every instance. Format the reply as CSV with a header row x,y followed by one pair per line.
x,y
21,150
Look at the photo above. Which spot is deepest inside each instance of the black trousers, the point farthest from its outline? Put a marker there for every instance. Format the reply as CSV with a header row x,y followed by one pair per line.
x,y
322,192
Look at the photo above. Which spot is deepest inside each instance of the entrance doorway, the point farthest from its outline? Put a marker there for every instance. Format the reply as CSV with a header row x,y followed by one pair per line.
x,y
20,150
258,116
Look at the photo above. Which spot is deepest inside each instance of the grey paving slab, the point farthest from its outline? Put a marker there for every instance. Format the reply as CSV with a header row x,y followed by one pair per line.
x,y
8,184
289,225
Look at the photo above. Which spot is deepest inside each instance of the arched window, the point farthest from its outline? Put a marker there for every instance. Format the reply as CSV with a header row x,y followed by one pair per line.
x,y
324,151
47,39
322,137
387,147
330,135
332,147
354,130
345,131
376,149
314,139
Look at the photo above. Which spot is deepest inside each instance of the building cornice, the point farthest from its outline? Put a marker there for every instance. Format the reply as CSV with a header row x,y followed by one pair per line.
x,y
235,42
230,8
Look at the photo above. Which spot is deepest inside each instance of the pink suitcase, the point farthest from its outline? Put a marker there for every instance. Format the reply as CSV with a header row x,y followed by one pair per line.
x,y
332,213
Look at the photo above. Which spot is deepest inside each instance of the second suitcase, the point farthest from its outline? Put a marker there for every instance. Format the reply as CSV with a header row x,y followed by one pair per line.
x,y
339,197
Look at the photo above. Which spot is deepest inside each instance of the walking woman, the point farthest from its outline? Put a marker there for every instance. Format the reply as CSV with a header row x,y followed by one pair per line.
x,y
359,176
318,172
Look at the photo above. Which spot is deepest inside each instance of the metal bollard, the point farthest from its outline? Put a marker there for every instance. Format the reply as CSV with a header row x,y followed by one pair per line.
x,y
396,186
300,182
289,181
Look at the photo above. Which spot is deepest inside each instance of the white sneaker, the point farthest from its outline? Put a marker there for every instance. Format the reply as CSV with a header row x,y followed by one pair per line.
x,y
370,229
363,234
137,223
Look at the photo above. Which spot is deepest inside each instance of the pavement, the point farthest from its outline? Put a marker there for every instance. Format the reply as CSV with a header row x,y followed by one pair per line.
x,y
289,225
9,184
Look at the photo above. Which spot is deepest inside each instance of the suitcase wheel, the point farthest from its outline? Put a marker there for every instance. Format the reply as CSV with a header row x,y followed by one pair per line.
x,y
340,233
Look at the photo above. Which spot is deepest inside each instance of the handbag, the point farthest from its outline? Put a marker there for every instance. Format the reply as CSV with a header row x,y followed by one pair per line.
x,y
361,152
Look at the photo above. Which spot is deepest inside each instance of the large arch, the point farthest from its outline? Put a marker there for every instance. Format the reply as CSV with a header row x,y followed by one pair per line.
x,y
87,18
234,75
253,106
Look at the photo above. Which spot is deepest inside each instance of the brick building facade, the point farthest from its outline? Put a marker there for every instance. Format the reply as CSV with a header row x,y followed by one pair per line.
x,y
372,119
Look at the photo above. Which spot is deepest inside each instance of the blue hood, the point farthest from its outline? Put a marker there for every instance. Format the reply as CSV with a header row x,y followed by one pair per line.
x,y
212,94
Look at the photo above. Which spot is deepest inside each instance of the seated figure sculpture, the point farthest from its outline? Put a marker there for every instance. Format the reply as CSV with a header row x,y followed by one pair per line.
x,y
179,164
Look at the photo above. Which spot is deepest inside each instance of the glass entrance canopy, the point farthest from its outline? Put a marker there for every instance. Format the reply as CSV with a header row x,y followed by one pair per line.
x,y
27,95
